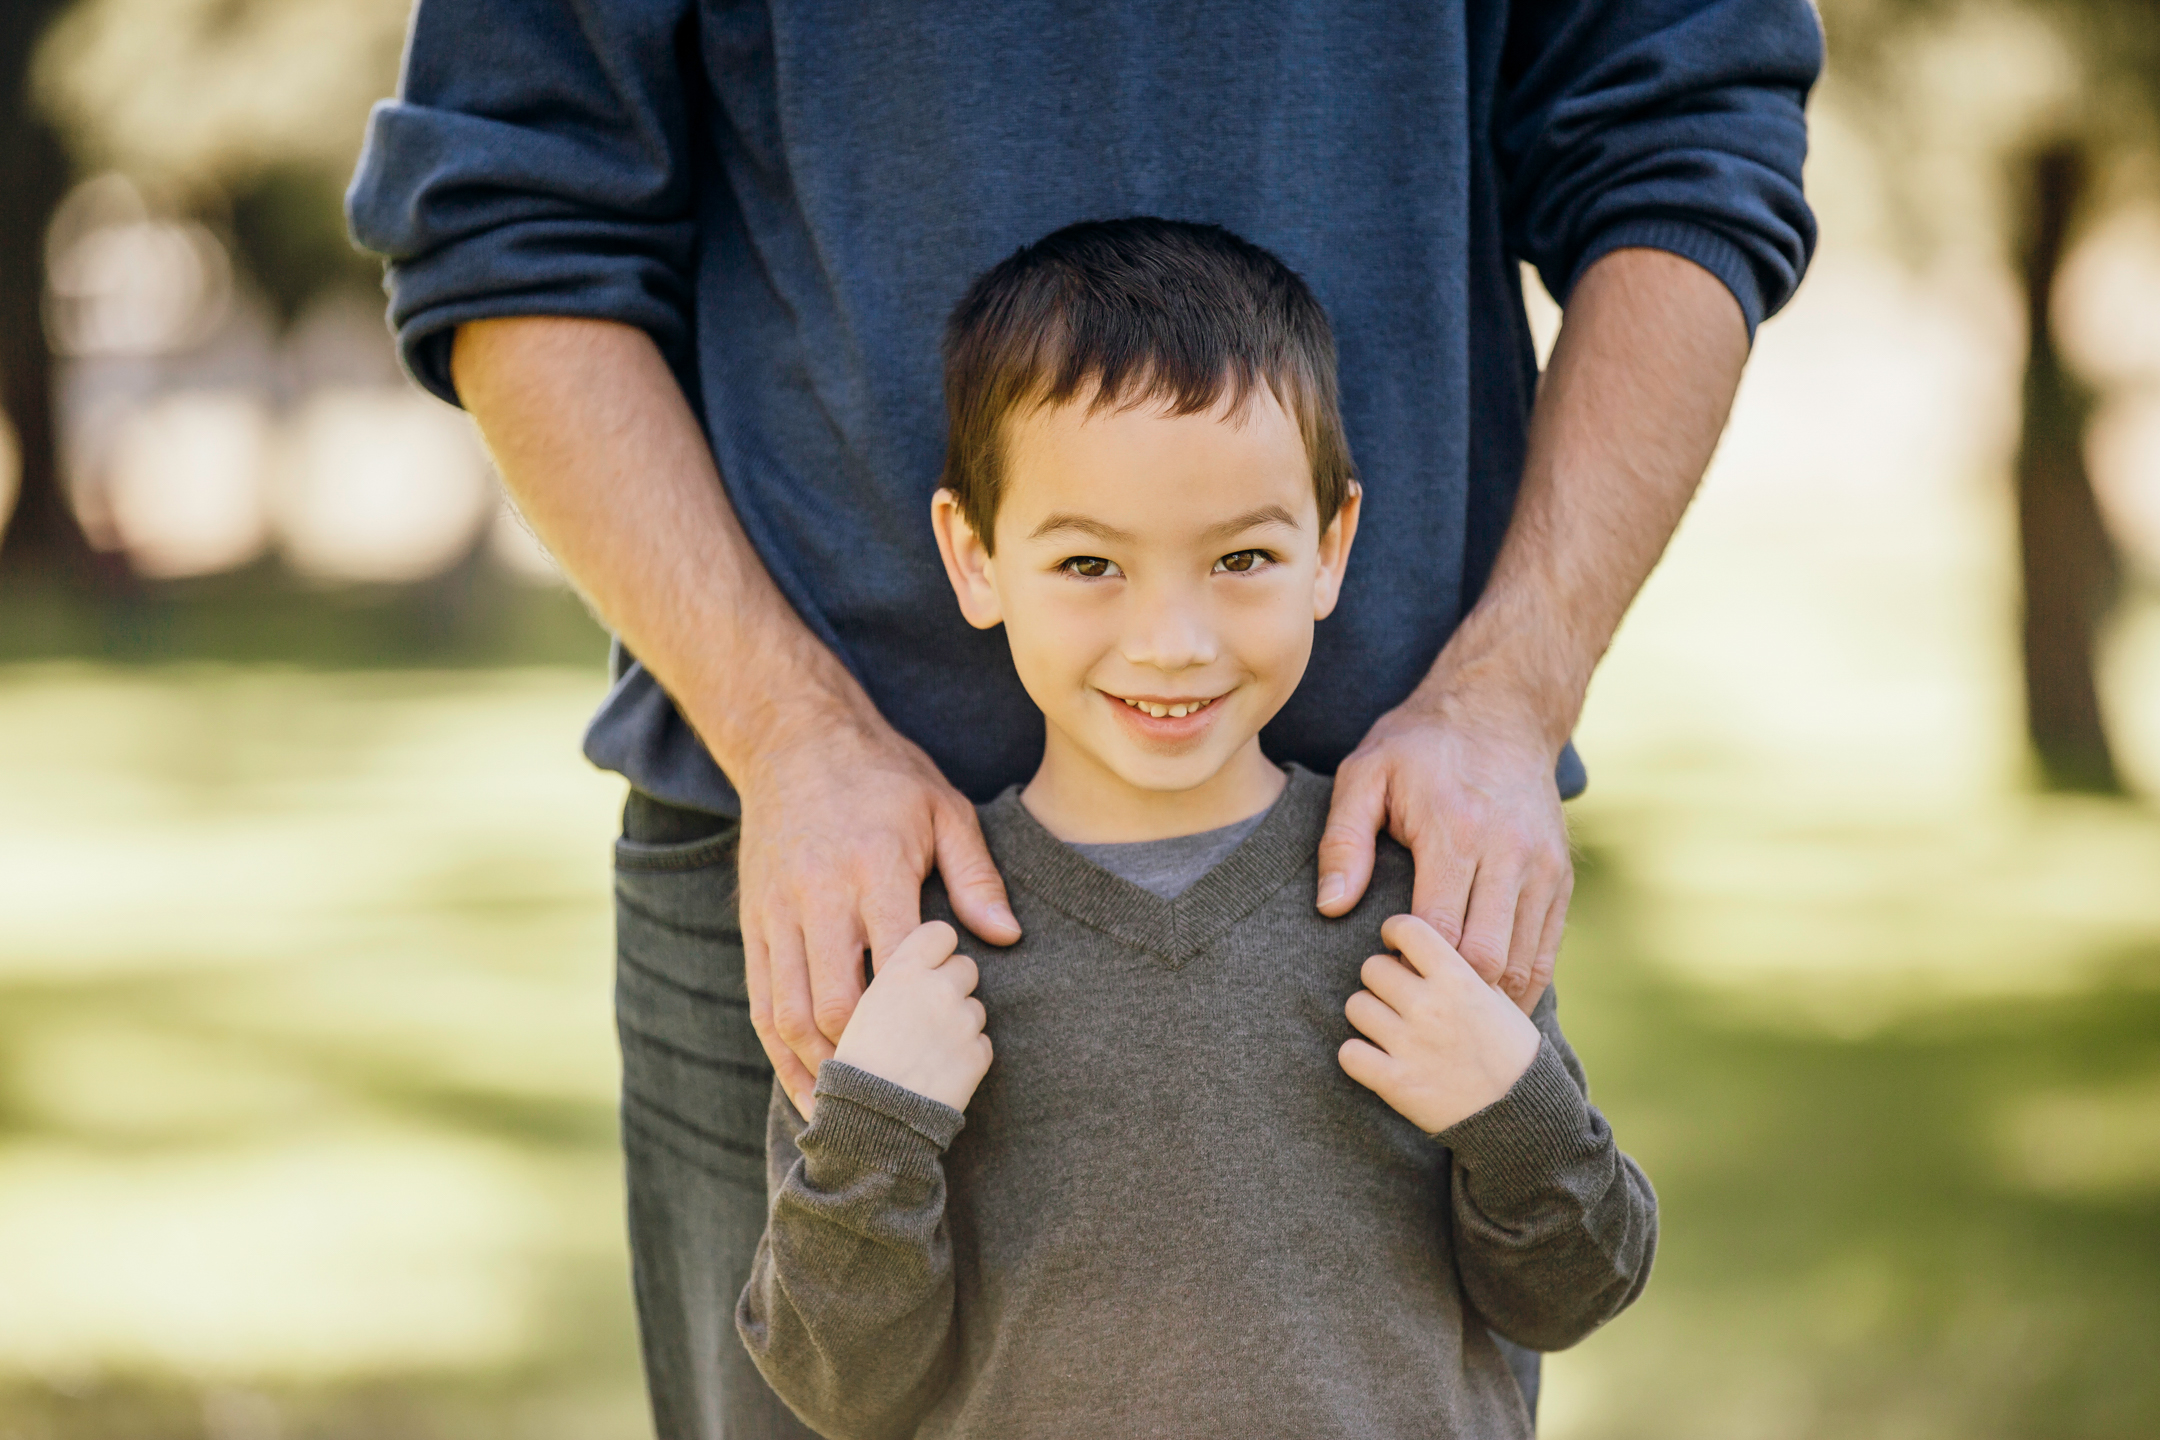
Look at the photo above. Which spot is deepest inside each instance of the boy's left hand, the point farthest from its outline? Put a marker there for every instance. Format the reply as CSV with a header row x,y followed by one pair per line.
x,y
1440,1043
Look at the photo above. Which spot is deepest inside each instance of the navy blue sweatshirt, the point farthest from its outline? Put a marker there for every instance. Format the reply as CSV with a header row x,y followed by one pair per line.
x,y
789,196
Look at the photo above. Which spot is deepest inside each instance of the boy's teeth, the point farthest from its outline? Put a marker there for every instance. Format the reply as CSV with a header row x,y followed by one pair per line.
x,y
1177,712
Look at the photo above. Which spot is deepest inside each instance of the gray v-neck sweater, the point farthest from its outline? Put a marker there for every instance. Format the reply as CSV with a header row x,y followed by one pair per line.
x,y
1169,1212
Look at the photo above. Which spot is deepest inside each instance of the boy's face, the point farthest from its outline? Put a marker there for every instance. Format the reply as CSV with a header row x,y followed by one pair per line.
x,y
1158,578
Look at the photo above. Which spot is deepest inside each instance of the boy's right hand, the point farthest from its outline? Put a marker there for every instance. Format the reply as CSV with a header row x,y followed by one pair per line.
x,y
919,1025
1438,1042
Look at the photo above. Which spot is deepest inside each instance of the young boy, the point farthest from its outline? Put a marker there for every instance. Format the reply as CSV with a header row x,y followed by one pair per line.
x,y
1230,1172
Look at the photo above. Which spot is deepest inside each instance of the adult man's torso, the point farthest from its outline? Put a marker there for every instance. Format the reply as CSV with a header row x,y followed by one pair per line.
x,y
855,166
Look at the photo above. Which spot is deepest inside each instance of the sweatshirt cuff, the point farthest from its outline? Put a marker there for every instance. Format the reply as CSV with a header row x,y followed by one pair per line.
x,y
1516,1145
1690,241
862,1115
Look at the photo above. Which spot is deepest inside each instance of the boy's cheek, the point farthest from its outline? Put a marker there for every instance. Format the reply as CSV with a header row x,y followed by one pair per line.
x,y
1054,658
1279,656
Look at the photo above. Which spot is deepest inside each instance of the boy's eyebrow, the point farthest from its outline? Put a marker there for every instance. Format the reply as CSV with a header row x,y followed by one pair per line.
x,y
1066,520
1251,519
1236,525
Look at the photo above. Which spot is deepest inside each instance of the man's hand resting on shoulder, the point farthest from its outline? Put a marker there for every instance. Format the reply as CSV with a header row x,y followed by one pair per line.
x,y
1476,806
919,1024
840,826
1627,413
1440,1042
842,819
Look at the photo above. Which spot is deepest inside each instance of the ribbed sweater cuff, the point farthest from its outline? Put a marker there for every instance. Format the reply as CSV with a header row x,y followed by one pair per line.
x,y
1690,241
869,1118
1515,1146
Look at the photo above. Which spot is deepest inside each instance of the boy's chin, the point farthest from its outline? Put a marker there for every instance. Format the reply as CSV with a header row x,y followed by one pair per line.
x,y
1159,775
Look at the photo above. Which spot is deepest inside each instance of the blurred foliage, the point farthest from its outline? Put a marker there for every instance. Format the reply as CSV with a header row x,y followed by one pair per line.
x,y
2055,104
288,224
217,92
33,177
247,113
1954,96
250,112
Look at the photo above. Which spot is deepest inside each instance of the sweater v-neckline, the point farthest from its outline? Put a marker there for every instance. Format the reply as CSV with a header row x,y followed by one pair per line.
x,y
1172,931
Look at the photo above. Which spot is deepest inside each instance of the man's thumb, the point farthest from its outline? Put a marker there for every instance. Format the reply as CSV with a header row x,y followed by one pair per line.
x,y
972,881
1346,845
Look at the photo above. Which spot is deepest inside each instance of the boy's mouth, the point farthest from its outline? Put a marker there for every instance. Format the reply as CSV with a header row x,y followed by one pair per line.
x,y
1170,709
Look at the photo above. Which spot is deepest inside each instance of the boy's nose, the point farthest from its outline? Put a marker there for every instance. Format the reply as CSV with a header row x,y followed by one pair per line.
x,y
1169,637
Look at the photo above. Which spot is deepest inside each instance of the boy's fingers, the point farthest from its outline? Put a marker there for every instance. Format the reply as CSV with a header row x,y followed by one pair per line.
x,y
1391,980
971,877
1423,948
1372,1018
1364,1062
960,972
926,946
1490,921
1355,815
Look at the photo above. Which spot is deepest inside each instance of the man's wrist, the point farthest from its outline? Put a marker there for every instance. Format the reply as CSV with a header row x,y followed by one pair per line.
x,y
1492,693
805,699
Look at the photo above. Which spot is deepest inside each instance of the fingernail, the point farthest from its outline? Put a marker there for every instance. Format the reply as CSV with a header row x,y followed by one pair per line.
x,y
1331,888
999,915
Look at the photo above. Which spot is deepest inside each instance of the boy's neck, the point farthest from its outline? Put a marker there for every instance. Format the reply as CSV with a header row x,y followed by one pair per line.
x,y
1083,802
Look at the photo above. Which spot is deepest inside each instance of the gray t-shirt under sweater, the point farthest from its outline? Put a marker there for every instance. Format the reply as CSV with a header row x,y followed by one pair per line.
x,y
1170,1212
1166,869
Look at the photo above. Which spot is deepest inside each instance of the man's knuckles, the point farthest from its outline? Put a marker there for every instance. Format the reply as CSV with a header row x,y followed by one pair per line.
x,y
831,1012
1486,955
795,1025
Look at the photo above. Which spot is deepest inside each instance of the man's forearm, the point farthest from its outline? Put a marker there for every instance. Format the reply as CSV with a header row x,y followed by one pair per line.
x,y
841,816
607,463
1630,409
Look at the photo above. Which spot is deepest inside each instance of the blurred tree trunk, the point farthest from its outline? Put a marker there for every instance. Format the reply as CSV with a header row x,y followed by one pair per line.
x,y
42,534
2069,565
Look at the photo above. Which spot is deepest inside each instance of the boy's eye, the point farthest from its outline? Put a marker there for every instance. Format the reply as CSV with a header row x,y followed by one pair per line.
x,y
1237,562
1091,566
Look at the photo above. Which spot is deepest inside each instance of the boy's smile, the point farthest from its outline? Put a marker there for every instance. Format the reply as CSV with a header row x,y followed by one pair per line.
x,y
1158,577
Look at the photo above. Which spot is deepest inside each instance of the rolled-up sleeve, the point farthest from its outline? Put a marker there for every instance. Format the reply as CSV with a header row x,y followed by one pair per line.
x,y
1675,125
535,162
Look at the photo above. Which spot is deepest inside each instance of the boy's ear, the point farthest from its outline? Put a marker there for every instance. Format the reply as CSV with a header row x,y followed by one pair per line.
x,y
967,562
1335,553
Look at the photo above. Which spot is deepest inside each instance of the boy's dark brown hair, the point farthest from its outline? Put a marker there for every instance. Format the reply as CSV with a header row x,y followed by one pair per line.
x,y
1135,311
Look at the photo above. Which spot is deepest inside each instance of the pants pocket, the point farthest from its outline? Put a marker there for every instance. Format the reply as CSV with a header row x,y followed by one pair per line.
x,y
694,1076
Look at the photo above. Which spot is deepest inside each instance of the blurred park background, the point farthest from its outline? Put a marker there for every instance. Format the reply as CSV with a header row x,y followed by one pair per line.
x,y
306,1060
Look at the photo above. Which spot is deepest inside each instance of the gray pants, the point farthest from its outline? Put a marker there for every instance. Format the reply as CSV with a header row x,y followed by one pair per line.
x,y
695,1089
